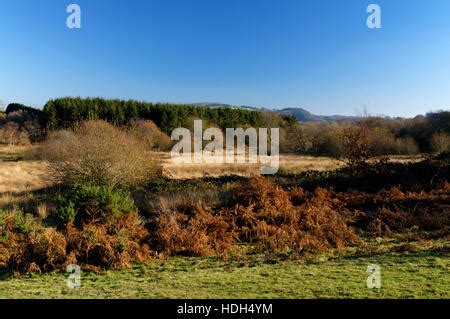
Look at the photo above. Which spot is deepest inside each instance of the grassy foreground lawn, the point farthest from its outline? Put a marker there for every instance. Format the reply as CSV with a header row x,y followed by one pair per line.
x,y
404,275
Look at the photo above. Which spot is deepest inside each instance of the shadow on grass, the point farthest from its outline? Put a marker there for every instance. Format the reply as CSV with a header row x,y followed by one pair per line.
x,y
398,252
27,200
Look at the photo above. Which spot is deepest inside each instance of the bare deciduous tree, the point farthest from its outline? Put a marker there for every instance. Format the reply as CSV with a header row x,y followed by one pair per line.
x,y
357,150
10,133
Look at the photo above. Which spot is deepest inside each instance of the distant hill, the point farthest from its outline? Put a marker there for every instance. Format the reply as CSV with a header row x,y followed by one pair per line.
x,y
301,114
220,105
305,116
211,104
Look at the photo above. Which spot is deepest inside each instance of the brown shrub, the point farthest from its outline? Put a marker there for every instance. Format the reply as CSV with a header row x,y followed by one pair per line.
x,y
298,196
265,215
393,210
386,221
112,245
99,153
193,231
151,134
259,213
26,245
319,219
5,255
383,220
267,198
42,251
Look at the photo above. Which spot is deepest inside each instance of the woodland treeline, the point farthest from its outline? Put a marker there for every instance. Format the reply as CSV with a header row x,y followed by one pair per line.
x,y
63,113
430,133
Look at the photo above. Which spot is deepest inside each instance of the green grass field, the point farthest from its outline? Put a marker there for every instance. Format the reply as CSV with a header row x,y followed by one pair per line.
x,y
422,274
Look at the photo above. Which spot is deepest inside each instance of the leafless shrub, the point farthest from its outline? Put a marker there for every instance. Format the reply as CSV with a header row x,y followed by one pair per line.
x,y
11,134
357,149
314,138
407,145
98,153
151,134
440,142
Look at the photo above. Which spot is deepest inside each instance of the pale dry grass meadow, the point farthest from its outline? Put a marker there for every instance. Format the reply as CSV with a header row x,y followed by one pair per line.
x,y
17,174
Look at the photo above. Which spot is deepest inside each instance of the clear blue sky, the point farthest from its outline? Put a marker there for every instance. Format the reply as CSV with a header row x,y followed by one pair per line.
x,y
316,54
